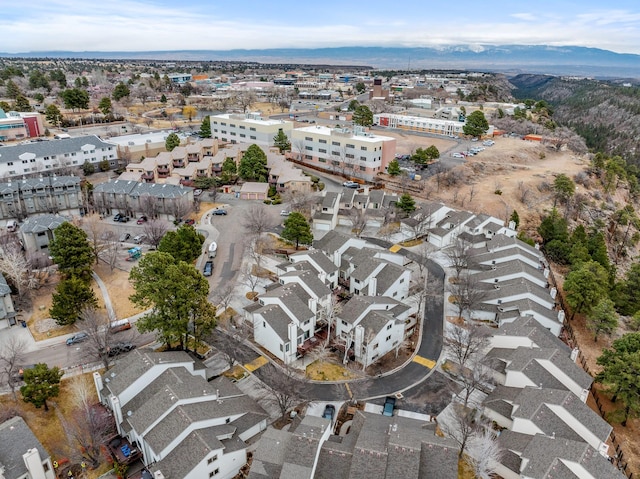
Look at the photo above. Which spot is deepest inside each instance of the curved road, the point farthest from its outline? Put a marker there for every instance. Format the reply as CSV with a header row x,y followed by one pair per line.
x,y
404,378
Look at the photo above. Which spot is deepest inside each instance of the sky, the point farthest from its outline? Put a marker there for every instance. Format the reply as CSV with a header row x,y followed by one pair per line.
x,y
153,25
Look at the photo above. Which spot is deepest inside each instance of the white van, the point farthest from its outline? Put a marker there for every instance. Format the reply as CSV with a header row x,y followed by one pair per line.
x,y
213,249
12,225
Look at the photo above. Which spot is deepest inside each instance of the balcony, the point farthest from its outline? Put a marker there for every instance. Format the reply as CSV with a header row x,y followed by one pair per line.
x,y
148,176
178,163
123,451
317,339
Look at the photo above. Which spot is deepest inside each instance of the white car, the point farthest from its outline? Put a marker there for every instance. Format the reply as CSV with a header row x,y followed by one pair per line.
x,y
457,155
285,213
350,184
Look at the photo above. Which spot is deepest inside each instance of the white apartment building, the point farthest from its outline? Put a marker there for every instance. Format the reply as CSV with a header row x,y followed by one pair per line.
x,y
357,153
416,123
48,156
247,128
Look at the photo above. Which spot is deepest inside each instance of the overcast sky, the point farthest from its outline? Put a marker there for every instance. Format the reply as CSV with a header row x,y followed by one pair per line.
x,y
138,25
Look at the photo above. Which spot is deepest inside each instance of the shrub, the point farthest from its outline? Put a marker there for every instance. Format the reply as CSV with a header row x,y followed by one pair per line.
x,y
498,192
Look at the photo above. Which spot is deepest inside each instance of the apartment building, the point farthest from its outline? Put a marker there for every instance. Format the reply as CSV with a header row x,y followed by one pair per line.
x,y
48,156
54,194
436,126
354,152
247,128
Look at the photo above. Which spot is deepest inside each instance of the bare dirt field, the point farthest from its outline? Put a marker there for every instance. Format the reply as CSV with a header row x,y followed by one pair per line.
x,y
509,175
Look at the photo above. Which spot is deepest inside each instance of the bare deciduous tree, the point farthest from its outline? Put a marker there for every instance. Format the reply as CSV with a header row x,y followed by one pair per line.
x,y
459,256
466,344
180,208
245,99
358,218
91,424
96,235
223,297
468,294
155,230
283,386
17,269
150,206
101,338
11,357
484,454
257,220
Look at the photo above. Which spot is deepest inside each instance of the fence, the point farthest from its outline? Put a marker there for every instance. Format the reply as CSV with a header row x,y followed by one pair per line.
x,y
619,457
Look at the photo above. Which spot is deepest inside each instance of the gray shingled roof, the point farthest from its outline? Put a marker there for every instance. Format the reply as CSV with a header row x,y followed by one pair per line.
x,y
126,372
51,148
4,286
527,326
277,319
330,199
534,405
42,223
553,458
509,268
331,242
319,258
135,189
269,454
311,280
502,241
16,438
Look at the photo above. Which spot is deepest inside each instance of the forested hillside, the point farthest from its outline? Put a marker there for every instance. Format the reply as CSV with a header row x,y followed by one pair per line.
x,y
606,114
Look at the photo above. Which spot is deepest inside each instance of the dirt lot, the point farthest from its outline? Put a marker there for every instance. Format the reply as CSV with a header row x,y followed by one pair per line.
x,y
495,181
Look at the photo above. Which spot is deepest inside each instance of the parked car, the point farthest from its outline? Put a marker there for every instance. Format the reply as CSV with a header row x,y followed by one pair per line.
x,y
123,219
285,213
120,325
457,155
139,238
117,217
197,192
351,184
77,338
219,212
142,219
124,237
119,348
329,412
190,221
208,268
389,406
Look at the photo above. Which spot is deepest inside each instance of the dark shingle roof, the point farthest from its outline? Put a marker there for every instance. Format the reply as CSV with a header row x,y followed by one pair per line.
x,y
16,438
51,148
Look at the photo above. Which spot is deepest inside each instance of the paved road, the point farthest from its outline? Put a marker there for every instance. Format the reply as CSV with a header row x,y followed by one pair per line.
x,y
406,379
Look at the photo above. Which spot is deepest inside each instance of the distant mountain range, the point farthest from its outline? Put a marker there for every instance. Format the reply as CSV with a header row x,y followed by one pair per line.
x,y
553,60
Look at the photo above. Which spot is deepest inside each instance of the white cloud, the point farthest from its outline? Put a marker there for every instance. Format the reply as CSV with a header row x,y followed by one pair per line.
x,y
121,25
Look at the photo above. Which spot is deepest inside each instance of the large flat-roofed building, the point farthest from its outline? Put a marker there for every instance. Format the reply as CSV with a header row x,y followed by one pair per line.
x,y
20,125
351,152
248,128
436,126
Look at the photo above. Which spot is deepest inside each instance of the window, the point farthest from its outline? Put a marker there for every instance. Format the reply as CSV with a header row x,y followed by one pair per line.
x,y
388,338
252,137
363,158
322,160
322,150
349,155
335,143
308,148
214,472
211,459
252,129
10,163
227,421
264,324
389,326
223,124
363,148
242,135
350,146
335,153
323,141
231,125
45,466
402,281
308,138
363,168
242,127
344,323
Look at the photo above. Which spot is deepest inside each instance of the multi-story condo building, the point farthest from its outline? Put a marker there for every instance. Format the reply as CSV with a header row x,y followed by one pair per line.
x,y
249,128
49,156
357,153
54,194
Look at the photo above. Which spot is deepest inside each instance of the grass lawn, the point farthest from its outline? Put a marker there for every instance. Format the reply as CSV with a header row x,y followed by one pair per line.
x,y
325,371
